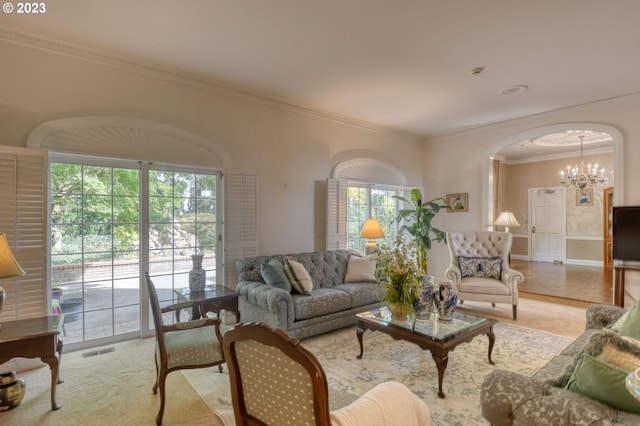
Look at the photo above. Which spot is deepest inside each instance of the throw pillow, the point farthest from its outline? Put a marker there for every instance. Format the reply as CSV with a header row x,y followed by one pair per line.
x,y
298,276
609,347
603,382
361,269
273,274
631,325
480,267
616,325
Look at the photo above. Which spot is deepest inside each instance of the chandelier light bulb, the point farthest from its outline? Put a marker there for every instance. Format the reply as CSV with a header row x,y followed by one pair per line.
x,y
581,176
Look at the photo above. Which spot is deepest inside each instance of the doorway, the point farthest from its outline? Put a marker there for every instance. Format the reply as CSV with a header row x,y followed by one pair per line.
x,y
547,211
113,219
523,236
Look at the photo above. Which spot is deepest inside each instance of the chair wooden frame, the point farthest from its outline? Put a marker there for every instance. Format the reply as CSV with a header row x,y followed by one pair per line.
x,y
162,365
291,347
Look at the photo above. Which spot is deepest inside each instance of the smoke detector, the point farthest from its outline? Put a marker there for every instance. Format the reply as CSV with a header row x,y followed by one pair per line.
x,y
477,71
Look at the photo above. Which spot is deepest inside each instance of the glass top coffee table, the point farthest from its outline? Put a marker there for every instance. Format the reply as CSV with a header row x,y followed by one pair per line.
x,y
437,337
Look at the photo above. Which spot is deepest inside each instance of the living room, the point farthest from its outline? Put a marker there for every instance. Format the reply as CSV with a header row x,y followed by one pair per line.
x,y
293,149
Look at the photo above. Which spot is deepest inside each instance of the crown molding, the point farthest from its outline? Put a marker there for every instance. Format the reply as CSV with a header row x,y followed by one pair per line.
x,y
185,79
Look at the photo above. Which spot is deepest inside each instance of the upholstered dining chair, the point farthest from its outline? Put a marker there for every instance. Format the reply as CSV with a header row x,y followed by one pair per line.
x,y
479,267
190,344
276,381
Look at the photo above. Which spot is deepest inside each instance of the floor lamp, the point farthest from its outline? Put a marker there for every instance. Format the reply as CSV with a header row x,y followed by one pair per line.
x,y
9,267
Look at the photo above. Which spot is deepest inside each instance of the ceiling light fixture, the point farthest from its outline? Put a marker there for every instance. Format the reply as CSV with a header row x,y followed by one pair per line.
x,y
581,176
514,89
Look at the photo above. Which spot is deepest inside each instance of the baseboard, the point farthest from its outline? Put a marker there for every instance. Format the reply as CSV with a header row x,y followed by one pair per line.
x,y
583,262
21,364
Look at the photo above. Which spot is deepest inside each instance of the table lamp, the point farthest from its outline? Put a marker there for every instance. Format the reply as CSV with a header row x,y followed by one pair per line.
x,y
506,219
371,230
9,267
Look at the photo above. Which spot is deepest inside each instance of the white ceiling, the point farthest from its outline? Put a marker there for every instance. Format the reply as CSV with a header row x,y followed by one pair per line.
x,y
402,64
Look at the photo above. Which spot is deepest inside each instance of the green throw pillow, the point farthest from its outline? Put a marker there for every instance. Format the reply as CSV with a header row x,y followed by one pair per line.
x,y
631,325
273,274
603,382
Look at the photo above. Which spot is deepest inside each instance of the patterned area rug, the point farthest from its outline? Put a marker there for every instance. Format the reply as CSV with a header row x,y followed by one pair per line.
x,y
517,349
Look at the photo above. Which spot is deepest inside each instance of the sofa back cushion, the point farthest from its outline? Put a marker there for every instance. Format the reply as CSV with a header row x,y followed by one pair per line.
x,y
326,268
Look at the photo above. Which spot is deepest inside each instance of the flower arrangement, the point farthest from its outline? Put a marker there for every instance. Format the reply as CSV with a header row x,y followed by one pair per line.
x,y
398,272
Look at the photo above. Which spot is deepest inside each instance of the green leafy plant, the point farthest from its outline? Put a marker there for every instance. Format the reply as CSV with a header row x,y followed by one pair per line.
x,y
417,222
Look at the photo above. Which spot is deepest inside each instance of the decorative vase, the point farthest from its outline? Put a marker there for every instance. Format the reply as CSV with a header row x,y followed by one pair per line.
x,y
424,302
197,276
399,311
11,393
445,300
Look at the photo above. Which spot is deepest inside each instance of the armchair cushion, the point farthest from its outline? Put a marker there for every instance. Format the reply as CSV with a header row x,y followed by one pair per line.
x,y
192,346
480,267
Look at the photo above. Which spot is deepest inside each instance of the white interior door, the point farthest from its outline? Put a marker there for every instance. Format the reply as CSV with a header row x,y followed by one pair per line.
x,y
547,225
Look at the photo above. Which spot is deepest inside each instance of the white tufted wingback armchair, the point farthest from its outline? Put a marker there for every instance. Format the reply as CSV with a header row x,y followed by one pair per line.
x,y
480,270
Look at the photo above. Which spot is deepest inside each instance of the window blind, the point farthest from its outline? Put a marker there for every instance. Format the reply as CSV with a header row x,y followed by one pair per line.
x,y
23,197
240,222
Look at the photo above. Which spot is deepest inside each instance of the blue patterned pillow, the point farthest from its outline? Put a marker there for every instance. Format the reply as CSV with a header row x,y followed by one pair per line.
x,y
480,267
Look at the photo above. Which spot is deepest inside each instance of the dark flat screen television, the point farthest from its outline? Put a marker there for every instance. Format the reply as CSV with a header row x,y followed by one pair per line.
x,y
626,233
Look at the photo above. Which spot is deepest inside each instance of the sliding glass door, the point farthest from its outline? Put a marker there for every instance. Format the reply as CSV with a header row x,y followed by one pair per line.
x,y
110,221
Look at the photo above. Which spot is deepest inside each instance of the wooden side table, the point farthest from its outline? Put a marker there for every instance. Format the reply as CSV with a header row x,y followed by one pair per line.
x,y
34,338
212,299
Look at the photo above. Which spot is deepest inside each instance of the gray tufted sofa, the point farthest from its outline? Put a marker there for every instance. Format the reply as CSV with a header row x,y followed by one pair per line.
x,y
331,305
508,398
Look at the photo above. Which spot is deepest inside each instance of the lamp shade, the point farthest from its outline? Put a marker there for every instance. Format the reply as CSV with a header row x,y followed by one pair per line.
x,y
9,267
371,229
507,219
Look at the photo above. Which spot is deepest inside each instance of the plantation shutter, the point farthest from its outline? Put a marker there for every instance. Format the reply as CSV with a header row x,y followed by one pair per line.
x,y
240,222
23,197
336,214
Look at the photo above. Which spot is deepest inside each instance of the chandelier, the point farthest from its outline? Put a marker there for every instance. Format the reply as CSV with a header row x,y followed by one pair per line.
x,y
581,176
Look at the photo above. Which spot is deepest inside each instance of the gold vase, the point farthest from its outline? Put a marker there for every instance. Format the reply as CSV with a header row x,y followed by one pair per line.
x,y
399,311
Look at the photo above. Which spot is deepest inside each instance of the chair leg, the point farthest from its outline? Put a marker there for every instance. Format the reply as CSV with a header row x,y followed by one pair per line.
x,y
515,312
161,381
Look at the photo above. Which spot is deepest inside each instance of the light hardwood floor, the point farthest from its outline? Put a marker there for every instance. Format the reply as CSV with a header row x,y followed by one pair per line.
x,y
569,282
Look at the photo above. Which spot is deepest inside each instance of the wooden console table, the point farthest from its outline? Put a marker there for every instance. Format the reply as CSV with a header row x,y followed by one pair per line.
x,y
619,270
34,338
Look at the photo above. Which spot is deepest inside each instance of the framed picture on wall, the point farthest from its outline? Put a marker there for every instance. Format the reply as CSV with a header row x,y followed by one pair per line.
x,y
458,202
584,197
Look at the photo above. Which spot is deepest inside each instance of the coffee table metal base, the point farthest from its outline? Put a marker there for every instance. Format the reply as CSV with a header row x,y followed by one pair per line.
x,y
439,348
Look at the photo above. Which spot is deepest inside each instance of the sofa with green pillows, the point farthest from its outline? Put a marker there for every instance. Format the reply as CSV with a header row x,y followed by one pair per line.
x,y
583,385
306,294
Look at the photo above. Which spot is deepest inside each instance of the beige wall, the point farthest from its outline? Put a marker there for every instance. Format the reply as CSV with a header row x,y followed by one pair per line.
x,y
290,150
583,224
460,163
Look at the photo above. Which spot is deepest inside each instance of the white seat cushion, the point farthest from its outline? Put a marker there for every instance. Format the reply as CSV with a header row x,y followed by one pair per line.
x,y
484,286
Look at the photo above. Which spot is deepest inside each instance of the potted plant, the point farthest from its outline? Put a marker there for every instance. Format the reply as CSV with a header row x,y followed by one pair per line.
x,y
417,222
397,271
